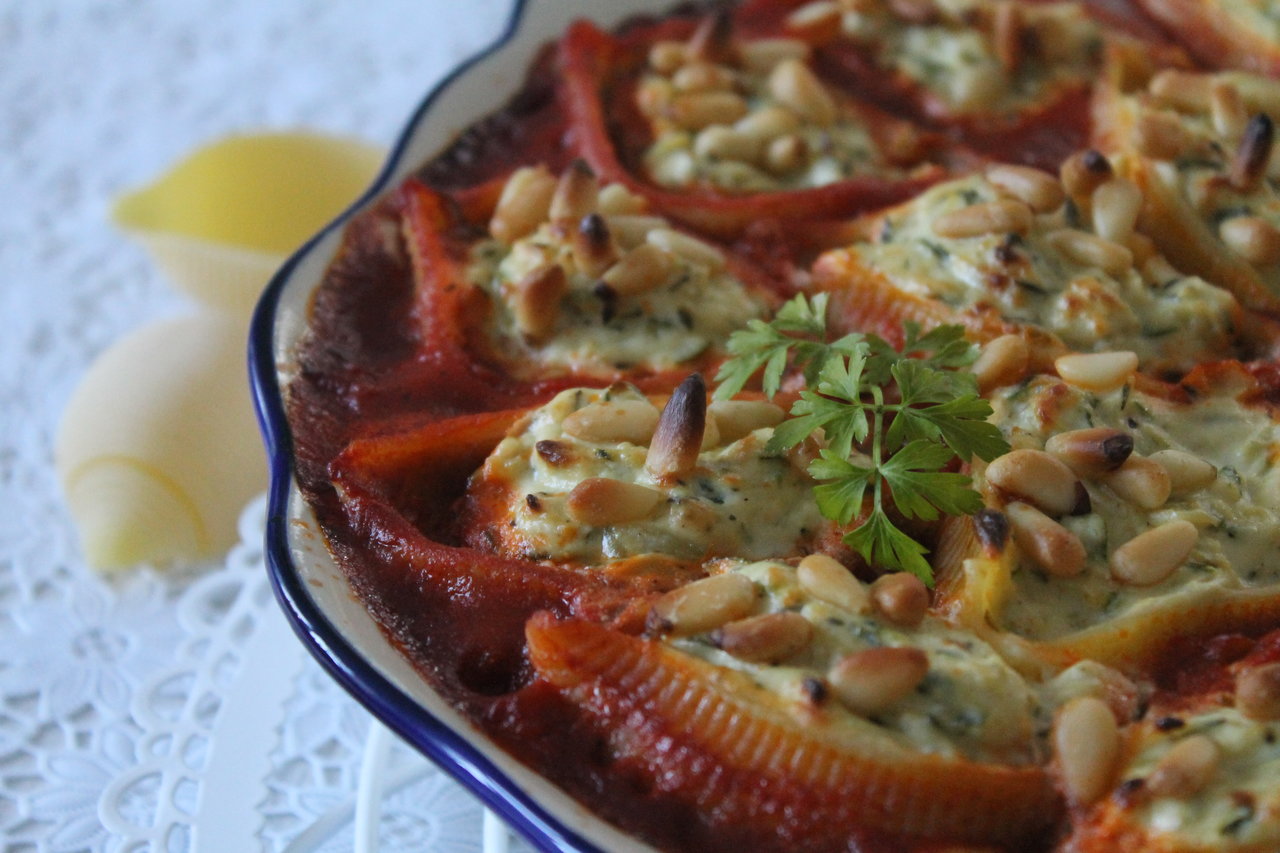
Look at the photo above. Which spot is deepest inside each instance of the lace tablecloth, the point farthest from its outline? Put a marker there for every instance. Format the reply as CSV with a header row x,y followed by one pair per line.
x,y
157,712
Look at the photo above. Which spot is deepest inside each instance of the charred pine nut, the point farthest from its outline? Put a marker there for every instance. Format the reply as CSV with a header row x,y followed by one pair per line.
x,y
1091,452
1254,153
1150,557
1051,546
737,418
1038,478
1141,481
576,194
1086,741
901,598
1083,172
768,638
1116,205
786,154
667,56
1004,216
870,681
826,578
696,110
1182,90
1003,361
767,123
1253,238
690,248
724,143
524,203
1258,692
1090,250
593,247
677,440
761,55
794,85
1227,109
1161,136
1187,472
1186,768
599,502
644,268
703,605
536,301
616,420
1099,371
1040,190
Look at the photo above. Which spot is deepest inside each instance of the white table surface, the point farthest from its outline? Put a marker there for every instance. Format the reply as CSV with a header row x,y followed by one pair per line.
x,y
156,712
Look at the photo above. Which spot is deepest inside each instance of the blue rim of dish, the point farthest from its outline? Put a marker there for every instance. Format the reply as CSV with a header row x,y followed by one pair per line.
x,y
453,752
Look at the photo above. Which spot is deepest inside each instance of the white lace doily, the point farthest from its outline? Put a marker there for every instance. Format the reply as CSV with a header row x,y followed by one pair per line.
x,y
158,712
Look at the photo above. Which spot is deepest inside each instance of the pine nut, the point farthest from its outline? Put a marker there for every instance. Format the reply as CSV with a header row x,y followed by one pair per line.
x,y
593,248
768,123
1089,250
696,110
1150,557
576,194
1091,452
1161,136
817,21
901,598
761,55
1141,481
1083,172
1186,768
1003,361
703,605
690,248
724,143
1041,191
794,85
631,230
1004,216
826,578
1258,692
871,681
1253,238
600,502
1227,109
666,57
642,269
768,638
524,203
739,418
786,154
536,301
1116,205
1184,91
617,200
1086,741
673,453
1037,478
1250,162
1006,34
1049,545
616,420
1187,472
654,96
1098,371
702,77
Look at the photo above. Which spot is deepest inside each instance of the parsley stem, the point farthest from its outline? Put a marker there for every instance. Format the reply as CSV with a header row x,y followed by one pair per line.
x,y
877,409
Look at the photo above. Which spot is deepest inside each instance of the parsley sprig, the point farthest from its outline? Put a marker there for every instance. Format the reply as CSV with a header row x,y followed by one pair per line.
x,y
894,445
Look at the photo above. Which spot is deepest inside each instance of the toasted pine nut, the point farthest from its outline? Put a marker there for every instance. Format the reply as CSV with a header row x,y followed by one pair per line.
x,y
1161,136
1186,768
1187,472
1050,545
1006,34
1150,557
524,203
613,421
644,268
786,154
667,56
1040,190
761,55
630,230
902,598
794,85
1082,172
1253,238
1002,361
724,143
703,605
576,194
1141,481
768,638
600,502
1003,216
767,123
817,21
696,110
826,578
1258,692
1250,162
690,248
1157,270
702,77
617,200
872,680
710,434
1091,452
1090,250
593,248
1038,478
1086,741
654,95
738,418
1116,205
1183,90
1097,371
674,449
1227,108
536,301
